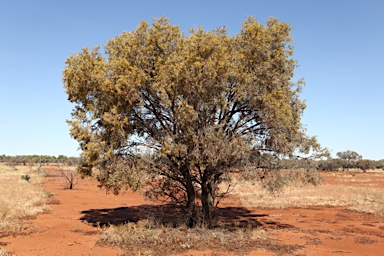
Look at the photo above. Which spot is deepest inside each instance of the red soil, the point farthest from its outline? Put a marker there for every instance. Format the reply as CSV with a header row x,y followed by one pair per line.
x,y
61,231
69,227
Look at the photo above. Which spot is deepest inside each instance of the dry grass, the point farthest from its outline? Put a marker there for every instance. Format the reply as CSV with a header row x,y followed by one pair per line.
x,y
358,198
150,238
4,253
359,177
147,237
20,199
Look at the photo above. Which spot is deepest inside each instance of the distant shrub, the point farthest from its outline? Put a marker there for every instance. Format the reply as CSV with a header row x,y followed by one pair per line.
x,y
331,165
365,164
274,181
379,164
25,177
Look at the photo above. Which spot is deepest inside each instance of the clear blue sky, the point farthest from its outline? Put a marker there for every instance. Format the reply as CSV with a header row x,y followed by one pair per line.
x,y
339,46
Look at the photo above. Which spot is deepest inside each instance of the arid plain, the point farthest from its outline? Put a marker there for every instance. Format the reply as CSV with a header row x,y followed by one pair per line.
x,y
343,216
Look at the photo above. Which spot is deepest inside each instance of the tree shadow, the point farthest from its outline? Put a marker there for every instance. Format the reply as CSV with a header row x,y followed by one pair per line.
x,y
171,215
122,215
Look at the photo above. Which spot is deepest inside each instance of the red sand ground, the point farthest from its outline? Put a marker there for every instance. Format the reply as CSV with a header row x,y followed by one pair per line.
x,y
321,231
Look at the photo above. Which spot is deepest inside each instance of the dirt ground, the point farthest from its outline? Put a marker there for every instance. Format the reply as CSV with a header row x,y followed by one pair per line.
x,y
70,227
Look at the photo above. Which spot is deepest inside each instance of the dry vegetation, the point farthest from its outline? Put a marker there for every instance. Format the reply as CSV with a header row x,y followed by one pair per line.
x,y
4,253
20,199
347,191
149,238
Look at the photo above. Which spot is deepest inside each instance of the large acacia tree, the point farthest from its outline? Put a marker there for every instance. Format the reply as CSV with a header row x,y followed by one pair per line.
x,y
174,114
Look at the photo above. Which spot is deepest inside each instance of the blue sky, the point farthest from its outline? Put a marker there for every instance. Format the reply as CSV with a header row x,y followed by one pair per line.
x,y
339,46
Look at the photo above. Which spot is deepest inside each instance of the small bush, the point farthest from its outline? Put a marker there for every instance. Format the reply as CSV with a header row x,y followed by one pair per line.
x,y
274,181
25,177
365,164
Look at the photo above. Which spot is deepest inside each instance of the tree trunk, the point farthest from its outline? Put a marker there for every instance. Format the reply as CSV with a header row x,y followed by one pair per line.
x,y
191,204
71,180
207,202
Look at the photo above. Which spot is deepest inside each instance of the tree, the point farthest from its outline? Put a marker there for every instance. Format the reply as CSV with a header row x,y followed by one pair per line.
x,y
379,164
349,158
365,164
69,175
330,165
174,114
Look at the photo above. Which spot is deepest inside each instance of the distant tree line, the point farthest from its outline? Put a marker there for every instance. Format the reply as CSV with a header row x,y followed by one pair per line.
x,y
350,160
345,160
39,159
337,164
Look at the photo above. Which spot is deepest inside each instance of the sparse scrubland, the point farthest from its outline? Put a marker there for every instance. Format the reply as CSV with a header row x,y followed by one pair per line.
x,y
357,197
20,198
149,236
354,190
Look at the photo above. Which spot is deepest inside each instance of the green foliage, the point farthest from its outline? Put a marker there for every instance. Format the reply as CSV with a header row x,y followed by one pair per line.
x,y
173,114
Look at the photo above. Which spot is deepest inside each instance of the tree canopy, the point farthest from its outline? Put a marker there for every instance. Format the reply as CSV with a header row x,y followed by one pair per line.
x,y
349,158
173,114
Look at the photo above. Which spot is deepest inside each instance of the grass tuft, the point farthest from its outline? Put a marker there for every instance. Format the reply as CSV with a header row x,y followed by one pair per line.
x,y
4,253
148,237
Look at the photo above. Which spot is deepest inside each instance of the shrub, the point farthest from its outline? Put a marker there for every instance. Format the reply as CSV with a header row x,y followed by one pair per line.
x,y
148,238
25,177
365,164
330,165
